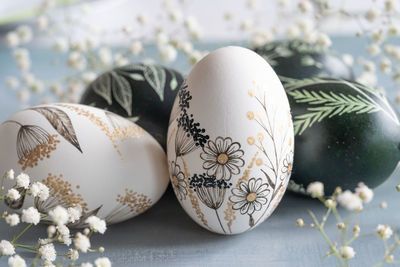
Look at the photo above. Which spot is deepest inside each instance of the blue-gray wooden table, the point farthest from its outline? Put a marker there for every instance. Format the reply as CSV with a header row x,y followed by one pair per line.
x,y
166,236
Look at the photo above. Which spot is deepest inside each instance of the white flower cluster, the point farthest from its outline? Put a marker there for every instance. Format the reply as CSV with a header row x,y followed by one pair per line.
x,y
57,232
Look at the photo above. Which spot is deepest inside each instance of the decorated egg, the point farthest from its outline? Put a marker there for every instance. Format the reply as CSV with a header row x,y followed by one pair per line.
x,y
297,59
144,93
87,157
345,133
230,141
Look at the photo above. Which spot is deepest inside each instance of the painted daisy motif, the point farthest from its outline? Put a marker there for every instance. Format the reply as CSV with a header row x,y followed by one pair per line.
x,y
287,164
250,197
178,180
222,158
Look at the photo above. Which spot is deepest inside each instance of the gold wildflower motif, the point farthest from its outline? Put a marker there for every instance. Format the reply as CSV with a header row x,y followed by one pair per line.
x,y
251,140
34,144
130,204
61,193
121,130
250,115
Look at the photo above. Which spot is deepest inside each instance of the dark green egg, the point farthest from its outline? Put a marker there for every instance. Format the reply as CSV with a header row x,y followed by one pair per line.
x,y
144,93
298,59
345,133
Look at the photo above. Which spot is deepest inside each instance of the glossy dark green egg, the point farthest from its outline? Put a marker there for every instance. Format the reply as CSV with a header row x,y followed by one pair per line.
x,y
345,133
143,93
298,59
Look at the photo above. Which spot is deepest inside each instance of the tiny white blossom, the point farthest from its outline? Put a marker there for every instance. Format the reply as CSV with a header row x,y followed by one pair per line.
x,y
12,219
16,261
89,76
261,38
51,230
383,205
25,33
378,36
364,192
384,231
347,252
386,65
12,39
305,25
305,6
23,180
39,190
6,248
24,65
30,215
78,45
367,78
102,262
10,174
168,53
246,25
61,45
73,254
59,215
394,29
81,242
372,14
91,42
23,95
283,3
96,224
120,60
48,252
74,213
162,38
42,22
369,66
64,234
175,15
136,48
316,189
293,32
12,82
76,61
391,5
142,18
105,55
323,40
21,54
228,16
13,194
373,49
348,59
349,200
37,87
28,79
194,57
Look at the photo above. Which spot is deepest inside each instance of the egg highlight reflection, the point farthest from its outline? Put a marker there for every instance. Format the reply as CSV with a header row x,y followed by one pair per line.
x,y
107,165
230,141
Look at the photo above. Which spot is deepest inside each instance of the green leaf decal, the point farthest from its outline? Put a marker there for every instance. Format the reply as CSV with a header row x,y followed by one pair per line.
x,y
122,92
102,87
173,84
332,104
155,76
137,76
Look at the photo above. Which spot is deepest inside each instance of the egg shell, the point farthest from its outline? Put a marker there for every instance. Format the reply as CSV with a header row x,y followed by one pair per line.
x,y
230,141
345,133
86,156
296,59
144,93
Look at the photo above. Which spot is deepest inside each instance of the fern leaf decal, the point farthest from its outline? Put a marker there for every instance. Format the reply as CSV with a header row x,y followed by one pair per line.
x,y
155,76
61,123
122,92
330,105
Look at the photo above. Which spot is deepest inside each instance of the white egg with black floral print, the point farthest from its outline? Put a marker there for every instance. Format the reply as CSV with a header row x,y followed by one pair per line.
x,y
88,158
230,141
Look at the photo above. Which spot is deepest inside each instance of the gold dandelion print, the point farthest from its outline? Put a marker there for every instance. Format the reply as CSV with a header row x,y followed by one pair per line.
x,y
250,115
251,140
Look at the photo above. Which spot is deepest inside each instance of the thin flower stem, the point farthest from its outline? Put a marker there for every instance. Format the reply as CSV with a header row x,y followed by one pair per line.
x,y
25,247
330,244
216,212
20,234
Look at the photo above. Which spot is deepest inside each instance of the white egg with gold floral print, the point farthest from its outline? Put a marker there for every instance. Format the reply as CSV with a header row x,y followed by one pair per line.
x,y
230,141
87,157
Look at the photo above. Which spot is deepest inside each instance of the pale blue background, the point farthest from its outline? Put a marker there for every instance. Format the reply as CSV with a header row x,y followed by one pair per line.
x,y
166,236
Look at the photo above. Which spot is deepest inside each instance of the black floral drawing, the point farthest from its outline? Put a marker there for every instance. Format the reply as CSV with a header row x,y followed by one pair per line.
x,y
61,123
251,196
210,191
222,158
178,180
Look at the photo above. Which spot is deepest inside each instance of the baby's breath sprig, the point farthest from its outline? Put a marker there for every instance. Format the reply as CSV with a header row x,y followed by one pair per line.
x,y
44,250
353,202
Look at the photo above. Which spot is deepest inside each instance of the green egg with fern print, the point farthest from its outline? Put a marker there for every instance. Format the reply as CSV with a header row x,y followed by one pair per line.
x,y
299,60
143,93
345,133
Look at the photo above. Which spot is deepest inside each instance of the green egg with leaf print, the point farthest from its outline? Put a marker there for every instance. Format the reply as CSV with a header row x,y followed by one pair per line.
x,y
345,133
144,93
299,60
